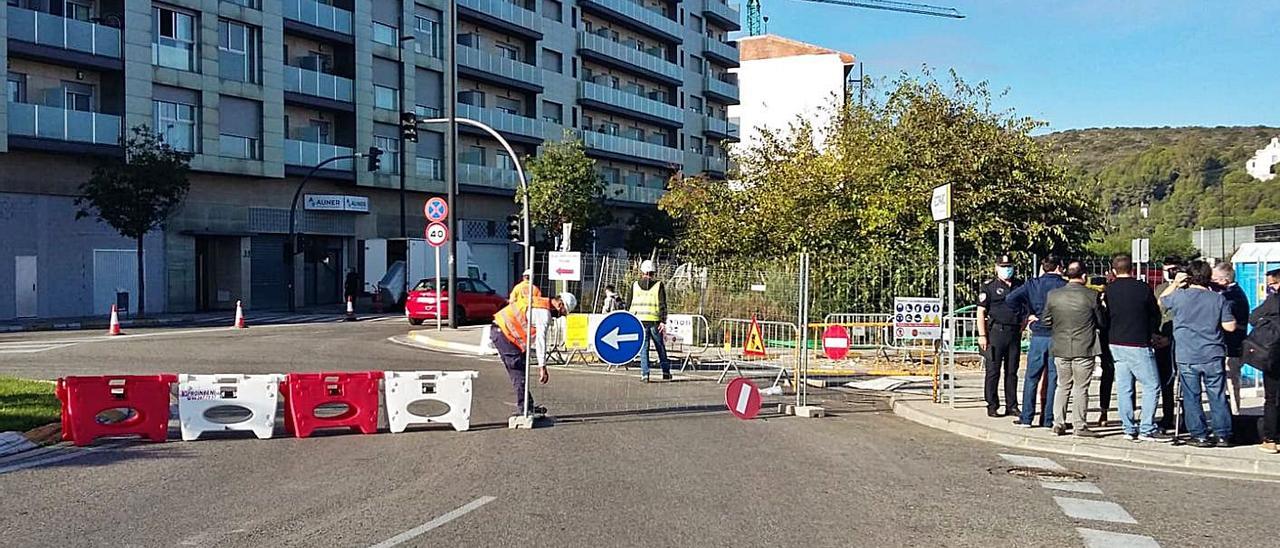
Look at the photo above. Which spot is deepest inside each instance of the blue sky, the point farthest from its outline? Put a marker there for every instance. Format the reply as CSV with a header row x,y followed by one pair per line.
x,y
1075,63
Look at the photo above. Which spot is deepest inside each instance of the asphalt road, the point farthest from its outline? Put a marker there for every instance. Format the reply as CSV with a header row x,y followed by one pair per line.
x,y
694,477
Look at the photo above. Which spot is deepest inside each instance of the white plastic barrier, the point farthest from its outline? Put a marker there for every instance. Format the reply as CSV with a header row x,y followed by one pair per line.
x,y
451,388
216,403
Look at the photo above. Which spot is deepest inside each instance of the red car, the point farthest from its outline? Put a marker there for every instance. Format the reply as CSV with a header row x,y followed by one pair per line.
x,y
476,301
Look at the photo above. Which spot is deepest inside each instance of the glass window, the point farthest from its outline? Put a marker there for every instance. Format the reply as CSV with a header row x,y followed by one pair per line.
x,y
553,61
430,40
697,63
77,96
174,39
480,286
390,153
609,128
17,87
695,103
473,155
509,51
504,161
384,34
610,175
385,97
321,131
78,11
507,105
553,10
176,124
553,112
695,145
237,51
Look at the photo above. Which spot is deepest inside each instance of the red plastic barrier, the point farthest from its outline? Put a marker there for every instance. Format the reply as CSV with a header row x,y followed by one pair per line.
x,y
83,398
304,392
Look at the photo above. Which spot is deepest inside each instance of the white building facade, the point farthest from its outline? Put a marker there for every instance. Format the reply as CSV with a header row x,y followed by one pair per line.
x,y
1259,166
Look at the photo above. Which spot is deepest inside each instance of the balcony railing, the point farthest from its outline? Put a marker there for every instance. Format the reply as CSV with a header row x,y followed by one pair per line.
x,y
493,177
727,91
319,15
63,124
504,122
631,56
319,84
430,168
723,128
724,51
629,101
723,12
631,147
307,153
62,32
717,165
637,194
634,11
506,11
501,66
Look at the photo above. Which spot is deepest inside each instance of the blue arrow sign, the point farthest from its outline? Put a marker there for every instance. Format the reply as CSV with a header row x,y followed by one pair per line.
x,y
619,338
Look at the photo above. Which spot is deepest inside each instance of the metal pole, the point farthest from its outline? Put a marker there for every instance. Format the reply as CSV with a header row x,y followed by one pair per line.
x,y
453,156
293,209
437,288
951,308
942,285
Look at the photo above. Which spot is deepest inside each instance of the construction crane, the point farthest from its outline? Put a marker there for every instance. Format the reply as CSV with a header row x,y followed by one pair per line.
x,y
754,19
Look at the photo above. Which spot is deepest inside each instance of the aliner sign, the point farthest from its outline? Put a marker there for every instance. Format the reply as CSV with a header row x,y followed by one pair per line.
x,y
336,202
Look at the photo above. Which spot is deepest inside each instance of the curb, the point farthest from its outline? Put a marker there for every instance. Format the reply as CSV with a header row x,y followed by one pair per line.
x,y
422,337
12,443
1262,466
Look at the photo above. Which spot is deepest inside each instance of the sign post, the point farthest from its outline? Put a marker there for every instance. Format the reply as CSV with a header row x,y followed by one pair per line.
x,y
1140,250
940,208
437,235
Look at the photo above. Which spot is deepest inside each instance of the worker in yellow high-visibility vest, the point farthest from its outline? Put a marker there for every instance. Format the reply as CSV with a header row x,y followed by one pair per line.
x,y
649,304
510,329
521,291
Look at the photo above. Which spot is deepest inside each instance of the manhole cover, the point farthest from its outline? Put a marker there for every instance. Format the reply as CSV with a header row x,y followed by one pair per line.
x,y
1045,474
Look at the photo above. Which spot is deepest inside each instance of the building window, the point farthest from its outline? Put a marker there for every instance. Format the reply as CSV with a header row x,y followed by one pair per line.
x,y
321,131
77,96
697,63
430,40
472,97
251,4
384,34
695,103
175,39
553,10
385,97
507,105
176,123
504,161
553,112
239,128
609,128
695,145
387,138
508,51
610,175
237,51
696,23
473,155
552,61
77,11
17,87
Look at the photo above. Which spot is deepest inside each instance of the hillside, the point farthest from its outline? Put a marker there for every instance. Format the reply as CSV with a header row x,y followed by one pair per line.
x,y
1193,177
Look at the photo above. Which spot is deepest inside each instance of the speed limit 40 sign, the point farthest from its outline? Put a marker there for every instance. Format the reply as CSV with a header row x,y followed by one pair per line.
x,y
437,234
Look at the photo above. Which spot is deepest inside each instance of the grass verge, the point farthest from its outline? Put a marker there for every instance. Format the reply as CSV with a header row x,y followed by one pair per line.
x,y
26,404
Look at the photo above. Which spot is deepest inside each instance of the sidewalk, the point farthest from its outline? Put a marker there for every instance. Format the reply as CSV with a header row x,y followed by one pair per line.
x,y
463,340
969,418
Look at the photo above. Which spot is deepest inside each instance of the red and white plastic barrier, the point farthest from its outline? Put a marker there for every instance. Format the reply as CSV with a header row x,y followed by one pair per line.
x,y
305,393
451,388
144,399
202,398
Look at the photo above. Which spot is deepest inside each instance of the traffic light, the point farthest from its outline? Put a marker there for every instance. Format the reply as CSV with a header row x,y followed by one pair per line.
x,y
514,228
409,126
375,158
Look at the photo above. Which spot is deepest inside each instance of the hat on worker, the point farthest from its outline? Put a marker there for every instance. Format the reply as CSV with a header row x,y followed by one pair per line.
x,y
570,302
1004,260
647,266
528,273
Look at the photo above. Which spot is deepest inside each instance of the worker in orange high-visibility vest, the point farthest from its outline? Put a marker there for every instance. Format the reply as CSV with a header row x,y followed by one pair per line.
x,y
511,329
521,291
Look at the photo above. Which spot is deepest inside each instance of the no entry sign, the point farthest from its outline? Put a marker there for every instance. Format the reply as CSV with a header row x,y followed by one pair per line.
x,y
835,342
742,398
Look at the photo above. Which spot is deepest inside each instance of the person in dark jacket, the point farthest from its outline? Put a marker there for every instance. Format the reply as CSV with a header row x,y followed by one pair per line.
x,y
1074,314
1163,344
1030,299
1200,318
1224,279
1133,320
353,285
1269,311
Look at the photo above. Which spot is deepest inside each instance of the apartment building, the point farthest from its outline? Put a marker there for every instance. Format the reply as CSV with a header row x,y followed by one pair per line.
x,y
261,91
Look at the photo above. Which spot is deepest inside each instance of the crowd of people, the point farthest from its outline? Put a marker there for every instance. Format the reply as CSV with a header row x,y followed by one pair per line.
x,y
1192,330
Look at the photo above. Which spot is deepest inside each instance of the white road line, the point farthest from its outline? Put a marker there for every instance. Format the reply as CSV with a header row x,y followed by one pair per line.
x,y
1072,486
419,530
1241,477
1033,462
32,349
1094,538
1094,510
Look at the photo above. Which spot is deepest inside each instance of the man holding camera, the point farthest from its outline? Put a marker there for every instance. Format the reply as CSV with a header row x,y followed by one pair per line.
x,y
1201,317
1162,343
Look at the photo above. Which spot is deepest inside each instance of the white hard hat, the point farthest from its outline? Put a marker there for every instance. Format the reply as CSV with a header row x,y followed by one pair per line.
x,y
528,272
647,266
570,302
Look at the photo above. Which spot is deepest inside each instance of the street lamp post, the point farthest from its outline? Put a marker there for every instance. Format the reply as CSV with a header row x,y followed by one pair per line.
x,y
401,159
290,250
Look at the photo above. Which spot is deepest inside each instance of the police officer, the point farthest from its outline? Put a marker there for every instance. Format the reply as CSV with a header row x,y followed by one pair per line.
x,y
1000,338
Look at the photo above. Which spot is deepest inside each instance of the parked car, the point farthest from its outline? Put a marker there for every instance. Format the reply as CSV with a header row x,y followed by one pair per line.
x,y
476,301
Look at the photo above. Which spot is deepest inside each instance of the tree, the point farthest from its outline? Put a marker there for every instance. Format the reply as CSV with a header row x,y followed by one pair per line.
x,y
650,229
137,192
564,187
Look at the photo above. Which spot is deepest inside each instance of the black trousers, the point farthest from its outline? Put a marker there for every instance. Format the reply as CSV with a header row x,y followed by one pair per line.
x,y
1166,370
1271,409
1004,349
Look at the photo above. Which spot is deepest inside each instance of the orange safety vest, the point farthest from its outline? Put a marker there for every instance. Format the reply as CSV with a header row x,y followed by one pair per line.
x,y
520,292
513,320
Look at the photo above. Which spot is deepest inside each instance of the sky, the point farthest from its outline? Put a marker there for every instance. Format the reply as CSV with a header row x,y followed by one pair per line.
x,y
1074,63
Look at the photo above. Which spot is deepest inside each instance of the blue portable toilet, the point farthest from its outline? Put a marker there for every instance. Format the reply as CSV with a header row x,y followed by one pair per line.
x,y
1252,261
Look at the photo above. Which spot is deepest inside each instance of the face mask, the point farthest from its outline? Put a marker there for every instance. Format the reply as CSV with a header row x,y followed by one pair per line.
x,y
1271,289
1004,272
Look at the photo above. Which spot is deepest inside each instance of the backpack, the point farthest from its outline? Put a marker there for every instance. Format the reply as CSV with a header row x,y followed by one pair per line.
x,y
1262,346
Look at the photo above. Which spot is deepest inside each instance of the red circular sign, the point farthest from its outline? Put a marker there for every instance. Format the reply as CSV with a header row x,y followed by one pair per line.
x,y
742,398
835,342
436,209
437,234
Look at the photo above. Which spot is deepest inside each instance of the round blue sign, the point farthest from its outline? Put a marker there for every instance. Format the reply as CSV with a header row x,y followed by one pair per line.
x,y
618,338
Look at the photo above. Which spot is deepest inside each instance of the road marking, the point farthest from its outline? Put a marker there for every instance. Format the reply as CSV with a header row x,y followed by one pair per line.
x,y
32,348
1094,510
1072,486
1033,462
1094,538
744,398
1241,477
419,530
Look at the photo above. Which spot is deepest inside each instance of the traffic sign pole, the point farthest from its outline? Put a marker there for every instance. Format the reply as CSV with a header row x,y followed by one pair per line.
x,y
438,307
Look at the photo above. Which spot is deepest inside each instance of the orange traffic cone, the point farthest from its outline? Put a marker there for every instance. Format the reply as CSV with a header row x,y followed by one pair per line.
x,y
115,323
351,311
239,317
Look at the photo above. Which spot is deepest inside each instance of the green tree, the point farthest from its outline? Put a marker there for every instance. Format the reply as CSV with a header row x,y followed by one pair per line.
x,y
650,229
564,187
137,192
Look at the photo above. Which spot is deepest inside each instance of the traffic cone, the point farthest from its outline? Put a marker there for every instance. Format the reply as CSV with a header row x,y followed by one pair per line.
x,y
114,329
351,311
239,317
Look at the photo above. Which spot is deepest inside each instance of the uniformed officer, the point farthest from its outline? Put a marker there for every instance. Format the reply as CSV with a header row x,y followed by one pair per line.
x,y
1000,338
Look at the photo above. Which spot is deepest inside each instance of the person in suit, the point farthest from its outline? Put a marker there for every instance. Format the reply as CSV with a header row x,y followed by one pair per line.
x,y
1074,314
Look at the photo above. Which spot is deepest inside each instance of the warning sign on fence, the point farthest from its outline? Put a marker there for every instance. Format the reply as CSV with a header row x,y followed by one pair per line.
x,y
917,318
577,335
754,345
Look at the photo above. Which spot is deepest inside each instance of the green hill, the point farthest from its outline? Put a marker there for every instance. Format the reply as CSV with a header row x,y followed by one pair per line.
x,y
1193,177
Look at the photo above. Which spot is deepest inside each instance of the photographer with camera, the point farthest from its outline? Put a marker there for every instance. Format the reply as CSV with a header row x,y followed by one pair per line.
x,y
1162,343
1201,318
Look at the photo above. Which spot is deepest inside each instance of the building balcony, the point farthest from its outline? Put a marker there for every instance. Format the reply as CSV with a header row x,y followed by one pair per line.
x,y
622,148
636,16
722,13
59,124
328,87
318,15
635,194
482,65
308,154
503,14
44,31
716,166
629,104
723,53
487,176
720,129
518,127
720,90
627,57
